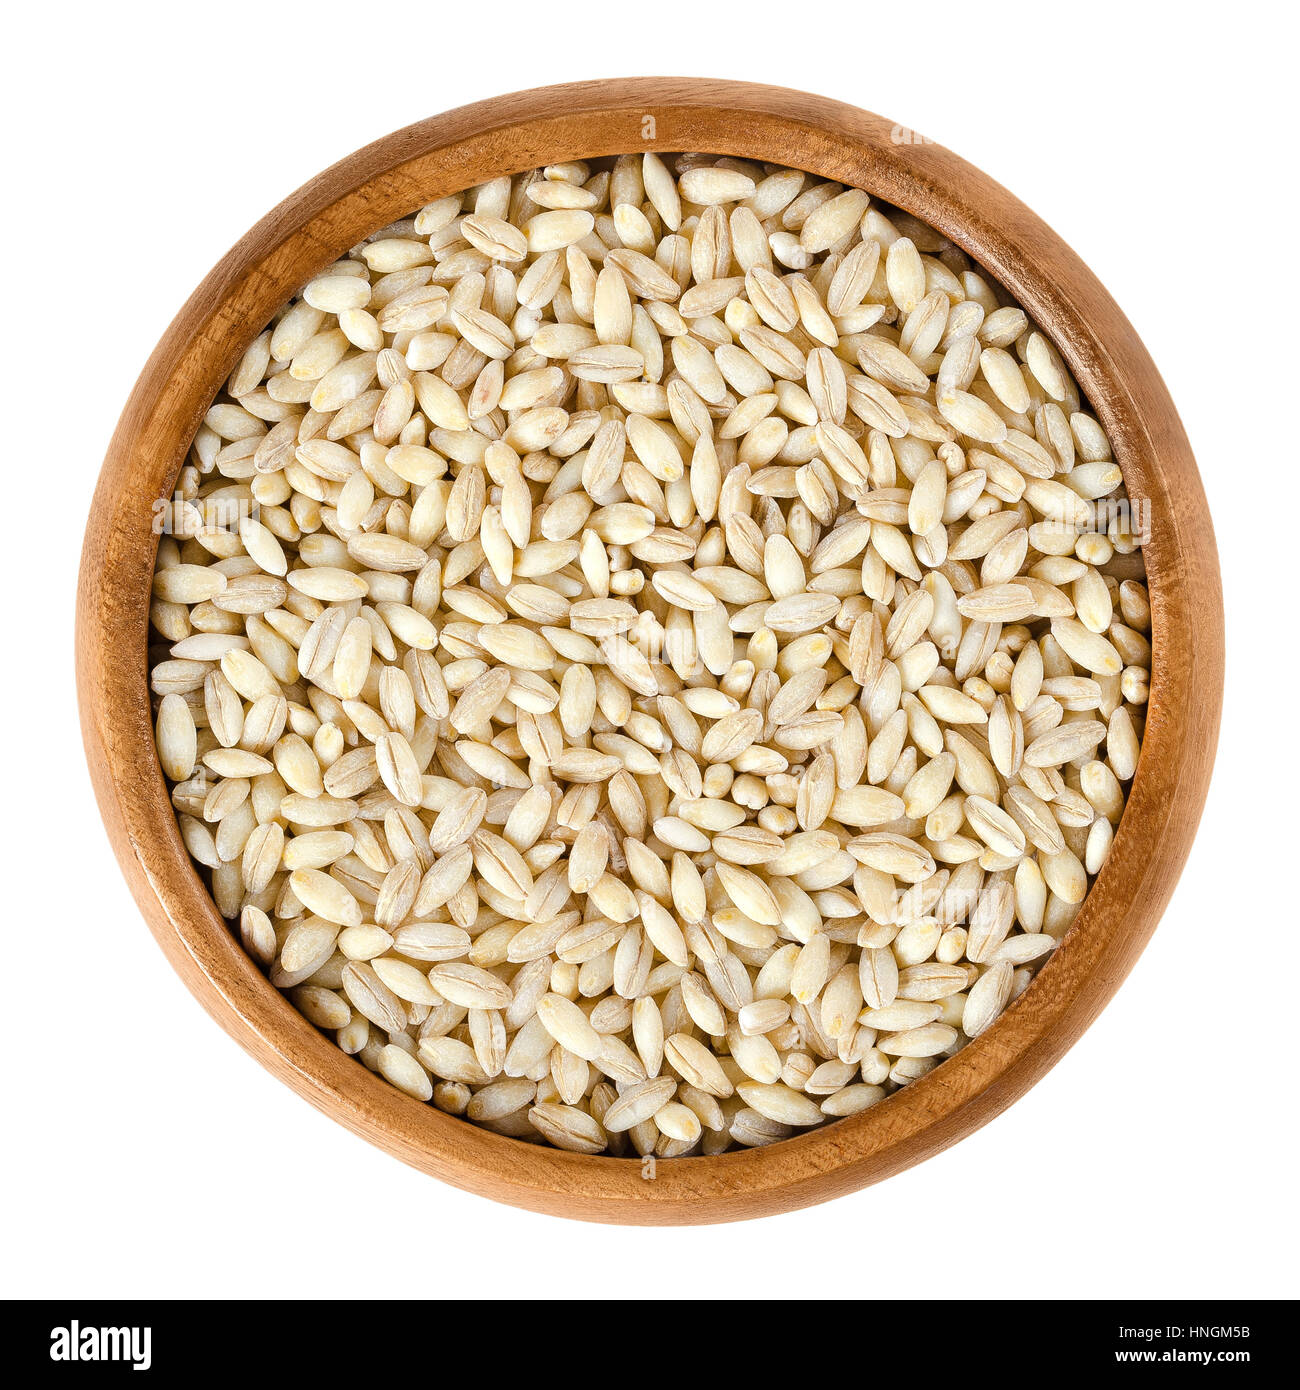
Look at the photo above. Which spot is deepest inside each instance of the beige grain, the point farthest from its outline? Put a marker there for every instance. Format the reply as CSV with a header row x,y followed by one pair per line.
x,y
638,656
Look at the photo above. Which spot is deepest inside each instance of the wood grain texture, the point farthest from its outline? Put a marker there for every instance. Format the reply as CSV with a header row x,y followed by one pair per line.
x,y
387,180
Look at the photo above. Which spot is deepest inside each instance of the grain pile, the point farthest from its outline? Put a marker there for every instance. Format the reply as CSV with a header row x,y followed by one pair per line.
x,y
650,653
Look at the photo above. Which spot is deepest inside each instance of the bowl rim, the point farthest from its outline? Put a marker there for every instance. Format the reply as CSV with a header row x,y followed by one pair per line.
x,y
386,180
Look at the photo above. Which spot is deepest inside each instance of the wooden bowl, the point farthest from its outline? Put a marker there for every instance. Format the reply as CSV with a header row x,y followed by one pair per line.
x,y
411,167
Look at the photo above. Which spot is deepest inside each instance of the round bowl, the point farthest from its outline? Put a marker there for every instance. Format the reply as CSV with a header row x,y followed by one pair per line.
x,y
385,181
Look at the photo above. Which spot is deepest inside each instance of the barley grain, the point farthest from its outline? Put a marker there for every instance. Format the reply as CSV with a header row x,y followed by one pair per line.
x,y
671,691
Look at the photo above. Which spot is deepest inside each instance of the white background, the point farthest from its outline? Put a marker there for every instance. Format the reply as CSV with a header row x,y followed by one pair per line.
x,y
144,1153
